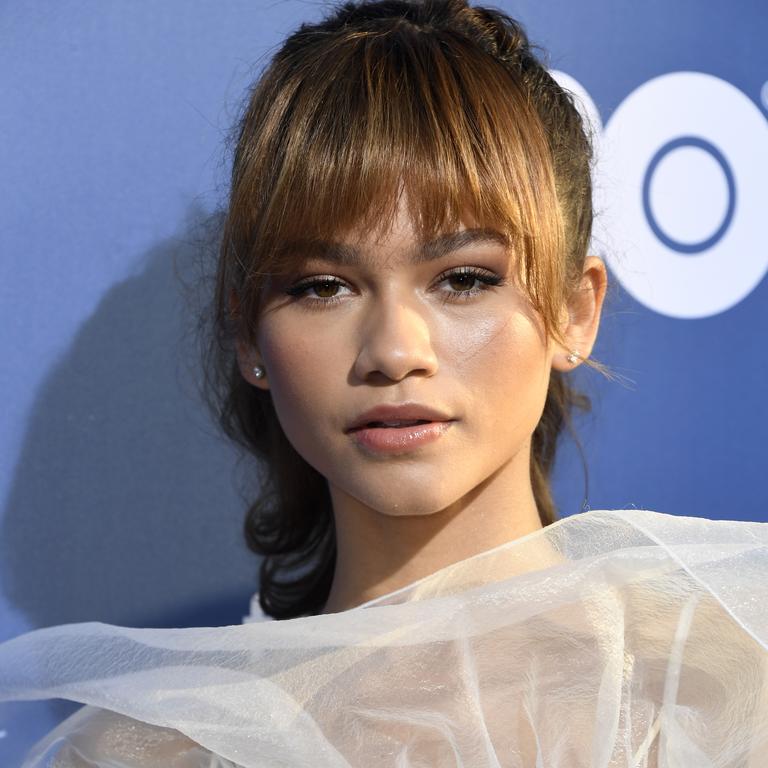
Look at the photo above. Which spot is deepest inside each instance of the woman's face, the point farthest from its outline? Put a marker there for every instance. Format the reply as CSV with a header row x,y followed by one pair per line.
x,y
394,328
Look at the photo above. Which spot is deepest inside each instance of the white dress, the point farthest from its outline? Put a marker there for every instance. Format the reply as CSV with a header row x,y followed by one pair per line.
x,y
99,737
611,638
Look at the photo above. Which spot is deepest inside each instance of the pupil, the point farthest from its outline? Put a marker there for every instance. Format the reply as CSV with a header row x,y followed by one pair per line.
x,y
463,279
326,286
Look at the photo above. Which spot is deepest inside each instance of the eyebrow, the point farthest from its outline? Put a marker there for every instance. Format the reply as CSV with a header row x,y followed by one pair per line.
x,y
349,256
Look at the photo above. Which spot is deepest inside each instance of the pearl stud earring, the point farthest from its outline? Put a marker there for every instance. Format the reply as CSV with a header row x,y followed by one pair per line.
x,y
258,371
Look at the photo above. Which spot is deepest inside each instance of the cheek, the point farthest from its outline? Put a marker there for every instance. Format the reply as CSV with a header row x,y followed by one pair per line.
x,y
292,359
504,368
301,374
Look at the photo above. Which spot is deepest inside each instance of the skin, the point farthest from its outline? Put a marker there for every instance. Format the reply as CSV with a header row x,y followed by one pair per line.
x,y
392,337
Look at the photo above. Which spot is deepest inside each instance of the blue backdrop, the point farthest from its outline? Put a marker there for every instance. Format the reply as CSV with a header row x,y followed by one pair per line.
x,y
118,501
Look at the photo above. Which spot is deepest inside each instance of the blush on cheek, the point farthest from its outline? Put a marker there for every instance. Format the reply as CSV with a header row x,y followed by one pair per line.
x,y
286,352
301,381
464,339
298,423
502,343
509,376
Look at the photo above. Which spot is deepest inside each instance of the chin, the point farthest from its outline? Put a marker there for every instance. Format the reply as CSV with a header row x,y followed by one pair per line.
x,y
418,501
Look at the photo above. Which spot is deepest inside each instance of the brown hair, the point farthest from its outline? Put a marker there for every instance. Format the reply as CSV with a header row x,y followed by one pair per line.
x,y
447,101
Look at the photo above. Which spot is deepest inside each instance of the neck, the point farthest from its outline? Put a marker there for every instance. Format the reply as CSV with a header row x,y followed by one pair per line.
x,y
378,553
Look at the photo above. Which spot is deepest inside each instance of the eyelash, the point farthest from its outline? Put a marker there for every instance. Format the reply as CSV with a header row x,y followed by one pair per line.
x,y
488,279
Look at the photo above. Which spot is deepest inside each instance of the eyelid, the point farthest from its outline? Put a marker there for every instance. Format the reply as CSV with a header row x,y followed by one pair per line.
x,y
323,278
308,282
487,278
464,269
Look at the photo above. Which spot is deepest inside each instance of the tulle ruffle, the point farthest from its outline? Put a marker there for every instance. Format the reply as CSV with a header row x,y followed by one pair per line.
x,y
610,638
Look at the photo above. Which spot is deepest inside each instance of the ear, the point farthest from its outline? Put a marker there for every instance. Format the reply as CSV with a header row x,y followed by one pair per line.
x,y
580,319
248,356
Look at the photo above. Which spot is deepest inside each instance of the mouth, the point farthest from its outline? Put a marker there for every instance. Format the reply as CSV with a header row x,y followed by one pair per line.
x,y
394,424
405,415
398,437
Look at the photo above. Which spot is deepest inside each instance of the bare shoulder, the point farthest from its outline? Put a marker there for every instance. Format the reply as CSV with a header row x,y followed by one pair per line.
x,y
99,738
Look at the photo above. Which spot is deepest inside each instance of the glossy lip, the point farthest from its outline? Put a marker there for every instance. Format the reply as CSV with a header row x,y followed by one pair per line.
x,y
398,412
393,440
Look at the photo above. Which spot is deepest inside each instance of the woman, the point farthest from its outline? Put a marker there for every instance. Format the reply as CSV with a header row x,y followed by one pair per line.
x,y
403,290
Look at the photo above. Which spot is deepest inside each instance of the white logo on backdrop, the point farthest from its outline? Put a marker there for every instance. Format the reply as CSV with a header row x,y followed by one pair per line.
x,y
681,192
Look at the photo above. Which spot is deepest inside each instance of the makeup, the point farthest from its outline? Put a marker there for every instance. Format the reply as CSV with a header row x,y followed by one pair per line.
x,y
396,440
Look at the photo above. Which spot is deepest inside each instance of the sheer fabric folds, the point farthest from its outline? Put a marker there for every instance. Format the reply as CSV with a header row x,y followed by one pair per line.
x,y
611,638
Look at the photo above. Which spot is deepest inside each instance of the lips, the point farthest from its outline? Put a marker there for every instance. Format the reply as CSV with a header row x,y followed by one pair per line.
x,y
396,424
397,416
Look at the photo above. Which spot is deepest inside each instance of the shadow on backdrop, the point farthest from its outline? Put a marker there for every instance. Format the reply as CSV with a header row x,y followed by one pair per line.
x,y
124,506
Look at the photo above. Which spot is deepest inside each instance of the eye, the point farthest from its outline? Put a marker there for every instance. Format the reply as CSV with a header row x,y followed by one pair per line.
x,y
462,280
325,287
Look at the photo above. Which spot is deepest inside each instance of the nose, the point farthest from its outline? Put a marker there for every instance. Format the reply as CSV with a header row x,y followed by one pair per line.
x,y
396,341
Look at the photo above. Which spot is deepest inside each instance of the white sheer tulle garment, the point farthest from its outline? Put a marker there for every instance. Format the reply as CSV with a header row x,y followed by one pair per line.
x,y
610,638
